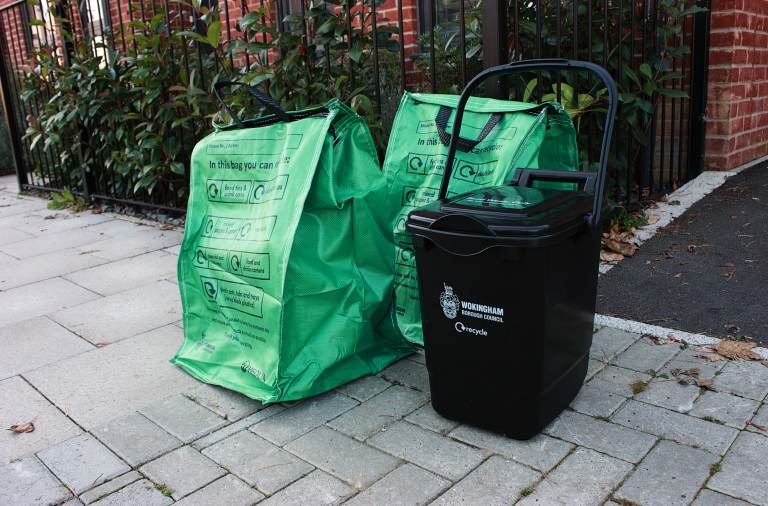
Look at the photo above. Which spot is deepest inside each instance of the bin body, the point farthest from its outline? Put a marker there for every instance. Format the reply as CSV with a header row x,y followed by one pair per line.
x,y
507,311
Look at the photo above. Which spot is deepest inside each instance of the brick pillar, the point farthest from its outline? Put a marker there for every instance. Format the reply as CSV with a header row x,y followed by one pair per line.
x,y
737,115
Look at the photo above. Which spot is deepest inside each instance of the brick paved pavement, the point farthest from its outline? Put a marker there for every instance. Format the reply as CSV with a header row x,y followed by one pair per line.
x,y
90,315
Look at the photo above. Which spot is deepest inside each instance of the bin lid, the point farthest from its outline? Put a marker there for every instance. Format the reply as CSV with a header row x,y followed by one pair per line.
x,y
505,211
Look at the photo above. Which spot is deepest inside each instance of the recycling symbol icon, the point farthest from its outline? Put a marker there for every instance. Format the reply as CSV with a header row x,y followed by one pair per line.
x,y
213,191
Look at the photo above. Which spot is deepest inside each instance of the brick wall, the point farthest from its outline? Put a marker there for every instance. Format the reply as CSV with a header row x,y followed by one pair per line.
x,y
737,114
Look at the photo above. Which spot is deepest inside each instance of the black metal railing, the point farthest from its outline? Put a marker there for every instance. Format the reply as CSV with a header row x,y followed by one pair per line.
x,y
653,150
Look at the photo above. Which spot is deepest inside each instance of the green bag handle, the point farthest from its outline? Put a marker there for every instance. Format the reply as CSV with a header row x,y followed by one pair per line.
x,y
592,219
265,100
464,145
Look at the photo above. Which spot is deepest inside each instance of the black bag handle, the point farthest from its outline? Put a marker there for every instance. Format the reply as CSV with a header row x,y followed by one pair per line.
x,y
265,100
593,219
465,145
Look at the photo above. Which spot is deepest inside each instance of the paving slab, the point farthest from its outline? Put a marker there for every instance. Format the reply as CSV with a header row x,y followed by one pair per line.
x,y
409,373
183,418
607,343
594,367
671,475
686,360
747,379
676,426
236,427
109,487
7,261
541,452
617,380
596,402
184,471
19,404
497,482
27,482
36,342
343,457
10,235
227,490
137,242
116,380
427,417
292,423
379,412
226,403
82,462
615,440
50,265
64,221
125,274
11,205
426,449
111,319
173,250
25,219
50,243
135,439
644,355
585,478
317,489
710,498
417,356
364,388
140,493
734,411
258,462
407,485
43,297
744,470
761,418
668,393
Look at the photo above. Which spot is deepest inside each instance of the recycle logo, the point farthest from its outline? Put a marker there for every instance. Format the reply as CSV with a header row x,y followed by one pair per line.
x,y
213,191
449,302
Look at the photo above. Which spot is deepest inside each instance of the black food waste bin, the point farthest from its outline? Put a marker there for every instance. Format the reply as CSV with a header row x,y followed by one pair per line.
x,y
508,285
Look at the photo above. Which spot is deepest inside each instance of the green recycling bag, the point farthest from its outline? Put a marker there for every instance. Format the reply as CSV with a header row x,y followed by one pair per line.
x,y
497,137
285,270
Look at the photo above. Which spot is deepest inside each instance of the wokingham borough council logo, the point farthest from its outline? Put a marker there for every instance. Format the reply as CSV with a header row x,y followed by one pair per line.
x,y
449,302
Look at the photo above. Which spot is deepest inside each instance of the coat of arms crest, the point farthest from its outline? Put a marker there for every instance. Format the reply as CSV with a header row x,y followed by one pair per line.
x,y
449,302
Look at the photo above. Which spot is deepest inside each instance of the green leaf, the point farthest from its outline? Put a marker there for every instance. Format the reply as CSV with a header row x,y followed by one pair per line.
x,y
214,33
673,93
649,88
631,73
357,51
36,22
328,26
529,90
639,135
645,70
670,75
690,10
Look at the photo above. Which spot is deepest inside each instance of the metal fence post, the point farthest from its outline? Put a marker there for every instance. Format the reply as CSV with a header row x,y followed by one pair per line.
x,y
495,45
697,127
10,118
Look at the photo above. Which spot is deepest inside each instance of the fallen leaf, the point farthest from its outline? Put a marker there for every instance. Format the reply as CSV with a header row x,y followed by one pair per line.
x,y
653,205
674,202
24,427
620,247
693,371
732,329
753,424
726,265
734,217
610,256
706,383
733,350
652,218
679,275
765,363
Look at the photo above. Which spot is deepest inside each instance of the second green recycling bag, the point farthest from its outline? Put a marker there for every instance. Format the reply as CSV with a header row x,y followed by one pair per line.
x,y
285,270
497,137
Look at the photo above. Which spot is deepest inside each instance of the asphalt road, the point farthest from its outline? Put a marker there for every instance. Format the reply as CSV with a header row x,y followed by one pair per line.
x,y
705,270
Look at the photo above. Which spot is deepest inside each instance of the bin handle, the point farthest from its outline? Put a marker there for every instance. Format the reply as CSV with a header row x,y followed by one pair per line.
x,y
465,145
264,99
592,219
